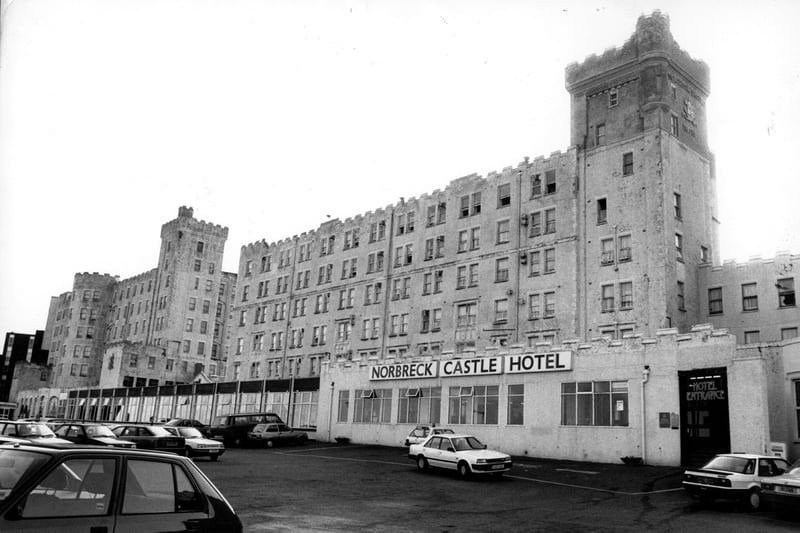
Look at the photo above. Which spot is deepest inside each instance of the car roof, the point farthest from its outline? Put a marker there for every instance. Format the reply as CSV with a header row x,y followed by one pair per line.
x,y
54,448
454,435
747,455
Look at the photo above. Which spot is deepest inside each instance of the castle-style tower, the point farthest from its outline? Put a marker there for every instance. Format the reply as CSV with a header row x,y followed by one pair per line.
x,y
647,185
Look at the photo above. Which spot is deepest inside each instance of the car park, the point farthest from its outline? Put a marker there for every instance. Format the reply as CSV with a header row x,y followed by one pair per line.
x,y
151,437
462,453
91,433
420,433
196,444
783,492
74,488
270,435
232,429
36,432
733,476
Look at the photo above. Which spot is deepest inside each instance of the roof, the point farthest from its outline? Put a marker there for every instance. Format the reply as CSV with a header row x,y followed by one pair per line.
x,y
58,449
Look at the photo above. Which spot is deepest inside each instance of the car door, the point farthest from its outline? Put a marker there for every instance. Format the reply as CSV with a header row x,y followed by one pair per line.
x,y
159,495
432,452
74,496
447,454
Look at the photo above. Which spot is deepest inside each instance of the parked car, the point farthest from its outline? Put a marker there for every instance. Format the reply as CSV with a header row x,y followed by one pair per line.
x,y
783,492
196,444
232,429
91,433
463,453
733,476
188,423
420,433
76,489
35,432
151,437
270,435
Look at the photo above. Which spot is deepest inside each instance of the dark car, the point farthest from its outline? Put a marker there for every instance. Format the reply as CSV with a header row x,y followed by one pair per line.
x,y
232,429
37,432
151,438
71,488
270,435
188,423
91,433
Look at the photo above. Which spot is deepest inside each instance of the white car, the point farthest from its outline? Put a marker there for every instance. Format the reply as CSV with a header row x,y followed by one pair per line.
x,y
733,476
420,433
196,444
463,453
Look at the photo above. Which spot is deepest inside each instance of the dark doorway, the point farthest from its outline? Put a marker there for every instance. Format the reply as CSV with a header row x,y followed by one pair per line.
x,y
705,424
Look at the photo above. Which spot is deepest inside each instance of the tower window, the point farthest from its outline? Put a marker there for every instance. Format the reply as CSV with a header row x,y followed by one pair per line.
x,y
602,211
627,163
613,97
673,125
600,134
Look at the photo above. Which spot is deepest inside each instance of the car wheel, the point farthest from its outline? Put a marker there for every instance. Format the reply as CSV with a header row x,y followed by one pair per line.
x,y
238,441
422,463
463,470
753,501
269,443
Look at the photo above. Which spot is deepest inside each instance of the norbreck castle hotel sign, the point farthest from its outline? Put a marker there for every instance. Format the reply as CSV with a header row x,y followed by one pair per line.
x,y
505,364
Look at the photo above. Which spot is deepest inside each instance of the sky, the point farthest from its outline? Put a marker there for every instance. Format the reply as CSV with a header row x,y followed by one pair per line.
x,y
267,117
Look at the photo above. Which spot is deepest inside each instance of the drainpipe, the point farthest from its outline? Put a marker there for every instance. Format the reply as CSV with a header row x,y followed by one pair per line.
x,y
645,377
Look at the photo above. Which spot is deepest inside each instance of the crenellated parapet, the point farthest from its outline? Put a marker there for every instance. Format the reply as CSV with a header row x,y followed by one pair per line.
x,y
93,279
187,221
652,38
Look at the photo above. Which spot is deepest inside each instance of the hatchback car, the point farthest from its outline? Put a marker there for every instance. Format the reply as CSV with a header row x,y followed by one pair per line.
x,y
69,488
463,453
91,433
196,444
783,492
420,433
733,476
151,437
270,435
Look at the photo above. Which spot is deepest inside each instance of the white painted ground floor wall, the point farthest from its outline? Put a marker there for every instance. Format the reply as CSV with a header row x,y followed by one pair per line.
x,y
542,433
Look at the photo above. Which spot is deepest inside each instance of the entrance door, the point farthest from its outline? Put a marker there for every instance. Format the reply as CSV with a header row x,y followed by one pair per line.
x,y
705,424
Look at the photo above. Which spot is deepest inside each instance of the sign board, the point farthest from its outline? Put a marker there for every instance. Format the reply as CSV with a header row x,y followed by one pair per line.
x,y
538,362
405,371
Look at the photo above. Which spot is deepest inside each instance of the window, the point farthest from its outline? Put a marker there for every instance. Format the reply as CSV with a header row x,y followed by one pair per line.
x,y
501,270
752,337
607,251
749,297
549,260
344,405
461,277
626,295
627,163
785,288
516,405
437,214
419,405
676,205
535,263
715,301
681,297
607,303
463,241
788,333
93,481
600,134
613,97
373,406
550,182
679,246
536,185
501,310
704,256
673,125
189,324
476,203
549,304
504,195
602,211
473,275
624,245
550,221
473,405
594,403
157,487
466,315
534,311
475,238
502,232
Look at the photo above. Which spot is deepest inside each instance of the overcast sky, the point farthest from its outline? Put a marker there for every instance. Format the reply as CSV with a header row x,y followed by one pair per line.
x,y
268,116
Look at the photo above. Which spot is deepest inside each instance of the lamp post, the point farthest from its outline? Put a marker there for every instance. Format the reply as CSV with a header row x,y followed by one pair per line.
x,y
330,413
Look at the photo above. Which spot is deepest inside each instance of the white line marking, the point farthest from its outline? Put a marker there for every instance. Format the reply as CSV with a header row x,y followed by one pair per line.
x,y
577,471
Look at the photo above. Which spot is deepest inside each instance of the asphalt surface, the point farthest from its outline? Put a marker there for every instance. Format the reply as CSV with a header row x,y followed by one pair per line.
x,y
320,487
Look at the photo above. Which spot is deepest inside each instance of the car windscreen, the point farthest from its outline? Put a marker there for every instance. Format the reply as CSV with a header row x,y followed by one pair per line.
x,y
729,464
34,430
14,464
158,431
220,421
99,431
190,433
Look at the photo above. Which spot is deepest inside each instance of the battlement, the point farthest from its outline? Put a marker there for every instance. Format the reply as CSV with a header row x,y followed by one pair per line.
x,y
186,220
652,38
93,279
138,278
755,261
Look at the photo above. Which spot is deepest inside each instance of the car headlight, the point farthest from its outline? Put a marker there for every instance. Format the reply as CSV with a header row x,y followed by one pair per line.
x,y
481,461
